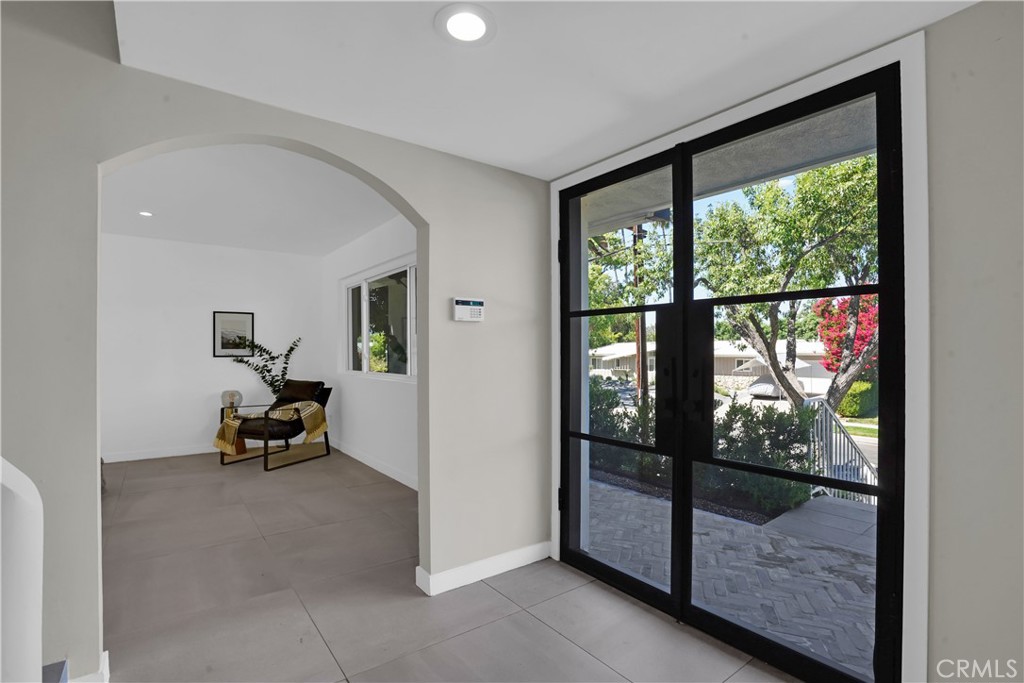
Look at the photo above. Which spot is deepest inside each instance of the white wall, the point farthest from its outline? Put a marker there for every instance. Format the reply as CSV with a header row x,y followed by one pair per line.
x,y
159,382
373,418
975,175
71,112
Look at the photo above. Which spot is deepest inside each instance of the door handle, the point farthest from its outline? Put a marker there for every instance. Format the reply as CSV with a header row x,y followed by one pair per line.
x,y
671,401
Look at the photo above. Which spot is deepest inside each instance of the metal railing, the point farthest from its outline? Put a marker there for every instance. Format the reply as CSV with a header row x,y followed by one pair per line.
x,y
837,455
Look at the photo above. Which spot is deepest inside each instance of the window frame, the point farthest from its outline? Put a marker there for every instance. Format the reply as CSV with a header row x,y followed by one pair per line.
x,y
362,283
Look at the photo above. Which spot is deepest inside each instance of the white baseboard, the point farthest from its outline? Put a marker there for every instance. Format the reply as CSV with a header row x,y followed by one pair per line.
x,y
440,582
169,452
410,480
101,676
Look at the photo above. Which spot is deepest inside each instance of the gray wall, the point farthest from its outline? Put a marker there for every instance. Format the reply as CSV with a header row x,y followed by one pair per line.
x,y
69,107
975,149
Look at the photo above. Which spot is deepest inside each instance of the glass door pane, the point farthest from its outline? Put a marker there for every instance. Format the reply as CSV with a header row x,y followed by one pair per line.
x,y
790,208
619,239
783,496
625,233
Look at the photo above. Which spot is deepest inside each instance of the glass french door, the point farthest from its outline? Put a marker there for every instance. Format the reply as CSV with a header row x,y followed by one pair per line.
x,y
732,382
617,279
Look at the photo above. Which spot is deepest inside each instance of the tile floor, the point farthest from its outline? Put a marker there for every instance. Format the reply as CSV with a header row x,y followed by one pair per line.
x,y
306,574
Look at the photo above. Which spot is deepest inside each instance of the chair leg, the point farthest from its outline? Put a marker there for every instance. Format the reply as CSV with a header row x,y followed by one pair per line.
x,y
266,460
224,456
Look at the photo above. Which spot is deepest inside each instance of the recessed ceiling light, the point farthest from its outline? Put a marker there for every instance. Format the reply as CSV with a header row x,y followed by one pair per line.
x,y
147,214
465,24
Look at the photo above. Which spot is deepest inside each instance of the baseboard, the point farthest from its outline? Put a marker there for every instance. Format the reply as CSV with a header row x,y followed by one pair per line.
x,y
170,452
441,582
101,676
398,475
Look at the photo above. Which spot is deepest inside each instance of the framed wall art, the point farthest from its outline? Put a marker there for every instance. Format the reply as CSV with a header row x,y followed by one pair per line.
x,y
232,333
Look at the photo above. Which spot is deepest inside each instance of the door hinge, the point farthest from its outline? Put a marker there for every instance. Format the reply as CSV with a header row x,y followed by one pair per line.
x,y
561,498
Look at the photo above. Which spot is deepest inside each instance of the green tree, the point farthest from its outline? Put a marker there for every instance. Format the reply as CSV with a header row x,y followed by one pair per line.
x,y
629,266
378,352
822,233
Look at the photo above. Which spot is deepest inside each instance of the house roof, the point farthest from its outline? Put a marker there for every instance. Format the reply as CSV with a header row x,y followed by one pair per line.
x,y
723,349
730,349
620,350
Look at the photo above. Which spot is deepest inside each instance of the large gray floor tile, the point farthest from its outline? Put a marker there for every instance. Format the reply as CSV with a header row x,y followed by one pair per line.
x,y
113,473
759,672
343,547
144,593
348,471
288,482
108,504
516,648
407,519
374,616
181,471
177,480
335,504
194,529
388,495
537,582
637,641
267,638
169,502
203,462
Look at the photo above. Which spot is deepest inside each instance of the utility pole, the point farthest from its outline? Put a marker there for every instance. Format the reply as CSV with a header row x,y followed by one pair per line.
x,y
641,328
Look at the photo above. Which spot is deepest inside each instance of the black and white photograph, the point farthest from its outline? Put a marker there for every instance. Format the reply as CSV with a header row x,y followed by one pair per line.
x,y
232,333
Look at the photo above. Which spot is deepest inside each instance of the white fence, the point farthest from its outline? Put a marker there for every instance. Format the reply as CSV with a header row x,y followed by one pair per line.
x,y
837,455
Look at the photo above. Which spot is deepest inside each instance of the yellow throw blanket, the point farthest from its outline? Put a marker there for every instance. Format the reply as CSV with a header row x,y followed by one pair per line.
x,y
314,421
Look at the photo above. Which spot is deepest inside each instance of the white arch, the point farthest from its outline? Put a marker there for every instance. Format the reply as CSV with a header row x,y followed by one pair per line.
x,y
289,144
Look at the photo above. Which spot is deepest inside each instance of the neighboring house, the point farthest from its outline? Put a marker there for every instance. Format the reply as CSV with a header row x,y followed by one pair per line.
x,y
736,363
618,360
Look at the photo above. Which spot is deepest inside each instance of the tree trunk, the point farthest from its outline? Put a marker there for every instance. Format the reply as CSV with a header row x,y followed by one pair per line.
x,y
794,309
850,368
748,328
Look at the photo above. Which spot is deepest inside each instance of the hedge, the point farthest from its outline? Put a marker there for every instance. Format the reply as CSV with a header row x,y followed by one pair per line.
x,y
860,401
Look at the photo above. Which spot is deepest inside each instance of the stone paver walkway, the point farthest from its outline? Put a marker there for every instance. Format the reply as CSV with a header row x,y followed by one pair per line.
x,y
806,578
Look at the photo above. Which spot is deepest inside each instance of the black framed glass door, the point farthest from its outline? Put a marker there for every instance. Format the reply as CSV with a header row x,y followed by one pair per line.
x,y
618,252
732,409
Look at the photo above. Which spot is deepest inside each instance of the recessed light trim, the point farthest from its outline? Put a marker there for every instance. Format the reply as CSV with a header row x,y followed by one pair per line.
x,y
147,214
465,24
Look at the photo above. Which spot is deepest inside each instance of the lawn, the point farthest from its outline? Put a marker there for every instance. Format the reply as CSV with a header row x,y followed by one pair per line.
x,y
854,430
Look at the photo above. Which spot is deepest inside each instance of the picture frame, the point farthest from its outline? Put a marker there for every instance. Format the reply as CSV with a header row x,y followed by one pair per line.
x,y
232,332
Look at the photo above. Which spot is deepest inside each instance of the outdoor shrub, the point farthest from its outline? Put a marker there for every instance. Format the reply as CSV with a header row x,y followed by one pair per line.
x,y
610,419
605,410
860,401
638,425
763,436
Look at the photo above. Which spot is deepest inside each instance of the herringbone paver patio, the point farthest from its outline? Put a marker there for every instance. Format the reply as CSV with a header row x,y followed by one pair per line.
x,y
814,594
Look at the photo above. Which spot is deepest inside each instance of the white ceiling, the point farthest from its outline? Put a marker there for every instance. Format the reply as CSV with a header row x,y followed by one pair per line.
x,y
250,196
560,86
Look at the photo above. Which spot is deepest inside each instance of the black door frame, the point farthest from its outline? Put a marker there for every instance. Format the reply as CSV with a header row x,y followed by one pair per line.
x,y
688,405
